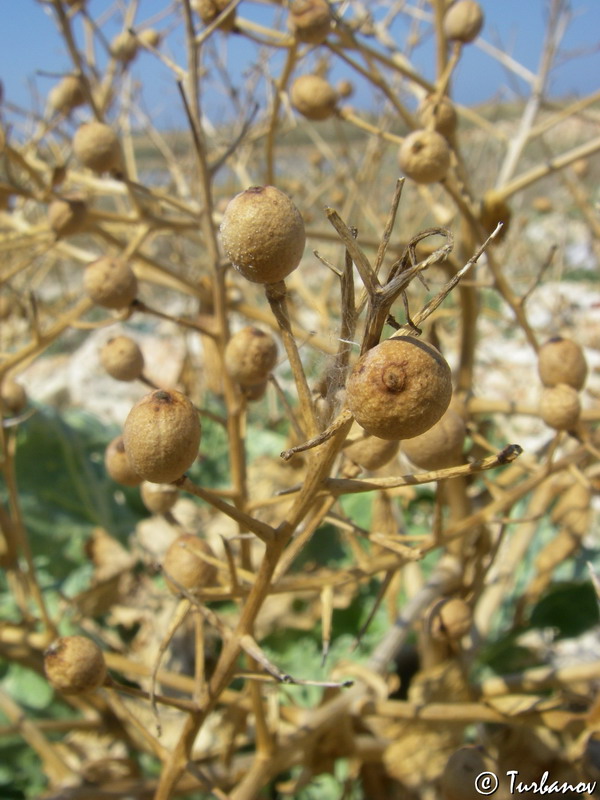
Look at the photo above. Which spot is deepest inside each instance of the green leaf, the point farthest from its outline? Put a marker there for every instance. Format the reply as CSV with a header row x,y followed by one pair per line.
x,y
570,608
27,688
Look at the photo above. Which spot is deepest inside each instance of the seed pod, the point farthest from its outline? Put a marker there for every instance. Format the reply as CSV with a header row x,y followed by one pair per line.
x,y
560,407
97,147
310,20
122,358
13,397
263,234
67,216
313,97
439,447
184,565
399,388
438,114
117,464
463,21
110,283
159,497
250,355
495,209
450,619
424,156
124,47
581,167
208,10
562,361
75,665
461,771
542,204
66,95
162,435
149,37
371,452
344,88
254,392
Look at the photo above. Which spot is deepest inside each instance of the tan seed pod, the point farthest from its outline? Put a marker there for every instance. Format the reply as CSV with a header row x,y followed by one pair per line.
x,y
117,464
463,21
96,145
450,619
184,564
439,447
313,97
458,781
209,10
344,88
13,397
149,37
124,47
495,209
255,392
263,234
74,665
581,167
438,114
370,452
560,407
162,435
159,497
310,20
67,216
542,204
110,282
424,156
66,95
122,358
562,361
250,355
399,388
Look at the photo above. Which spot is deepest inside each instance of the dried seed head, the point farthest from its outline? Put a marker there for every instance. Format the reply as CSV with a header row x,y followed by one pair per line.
x,y
162,435
149,37
74,665
184,564
117,464
250,355
66,95
13,397
424,156
96,145
370,452
438,114
310,20
263,234
209,10
439,447
159,497
67,216
344,88
122,358
495,209
542,204
463,21
110,282
462,768
313,97
399,388
124,47
450,619
560,407
562,361
581,167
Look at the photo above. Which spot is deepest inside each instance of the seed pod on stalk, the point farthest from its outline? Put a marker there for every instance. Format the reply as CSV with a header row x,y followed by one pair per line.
x,y
75,665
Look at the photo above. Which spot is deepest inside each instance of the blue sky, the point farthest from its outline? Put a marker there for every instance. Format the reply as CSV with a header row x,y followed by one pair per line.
x,y
30,46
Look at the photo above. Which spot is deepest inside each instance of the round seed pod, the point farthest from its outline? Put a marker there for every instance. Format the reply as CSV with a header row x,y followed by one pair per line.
x,y
440,446
313,97
310,20
66,95
581,167
96,145
371,452
450,619
495,209
159,497
162,435
149,37
463,21
255,392
562,361
122,358
458,780
542,204
424,156
13,397
67,216
263,234
74,665
184,565
110,282
250,355
124,47
208,10
438,114
117,464
560,407
344,88
399,388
